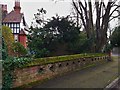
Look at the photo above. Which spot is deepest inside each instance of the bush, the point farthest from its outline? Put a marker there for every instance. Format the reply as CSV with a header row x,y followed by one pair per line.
x,y
8,39
108,47
9,64
115,38
4,50
19,49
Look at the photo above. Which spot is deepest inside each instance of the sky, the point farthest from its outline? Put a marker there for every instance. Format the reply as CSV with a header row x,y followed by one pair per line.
x,y
29,8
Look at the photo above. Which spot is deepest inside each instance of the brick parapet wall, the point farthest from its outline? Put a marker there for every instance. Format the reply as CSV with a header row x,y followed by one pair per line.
x,y
42,72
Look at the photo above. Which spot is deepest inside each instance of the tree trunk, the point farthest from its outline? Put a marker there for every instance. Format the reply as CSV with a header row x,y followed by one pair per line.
x,y
103,15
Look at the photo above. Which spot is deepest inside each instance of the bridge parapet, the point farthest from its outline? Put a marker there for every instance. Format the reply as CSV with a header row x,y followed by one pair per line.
x,y
32,74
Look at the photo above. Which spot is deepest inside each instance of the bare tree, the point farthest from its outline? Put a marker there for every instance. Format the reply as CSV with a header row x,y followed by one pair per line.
x,y
103,13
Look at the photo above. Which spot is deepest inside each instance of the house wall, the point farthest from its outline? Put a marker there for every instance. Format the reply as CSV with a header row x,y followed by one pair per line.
x,y
16,37
22,40
42,72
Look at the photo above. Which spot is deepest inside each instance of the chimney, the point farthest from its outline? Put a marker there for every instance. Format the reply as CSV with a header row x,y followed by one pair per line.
x,y
4,10
17,7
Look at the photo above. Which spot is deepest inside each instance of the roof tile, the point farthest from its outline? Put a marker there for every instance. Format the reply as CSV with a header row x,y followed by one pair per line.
x,y
13,16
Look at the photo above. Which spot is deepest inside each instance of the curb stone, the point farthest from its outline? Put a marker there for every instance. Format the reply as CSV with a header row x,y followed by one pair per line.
x,y
112,85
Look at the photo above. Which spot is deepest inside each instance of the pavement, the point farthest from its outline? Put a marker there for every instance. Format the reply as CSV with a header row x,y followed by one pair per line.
x,y
114,85
95,77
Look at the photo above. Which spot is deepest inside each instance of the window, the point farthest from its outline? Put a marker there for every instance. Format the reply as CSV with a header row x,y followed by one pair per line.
x,y
3,24
11,25
14,25
8,24
17,30
14,30
18,25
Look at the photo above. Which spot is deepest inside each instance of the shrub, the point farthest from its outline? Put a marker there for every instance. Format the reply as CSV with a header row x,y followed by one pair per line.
x,y
19,49
8,38
4,50
9,64
115,38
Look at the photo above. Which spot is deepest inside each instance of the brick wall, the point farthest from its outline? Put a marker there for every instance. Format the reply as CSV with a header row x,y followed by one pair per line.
x,y
39,73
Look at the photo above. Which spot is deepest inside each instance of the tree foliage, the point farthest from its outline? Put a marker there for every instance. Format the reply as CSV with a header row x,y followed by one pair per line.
x,y
19,49
36,43
55,38
115,38
13,48
4,50
8,38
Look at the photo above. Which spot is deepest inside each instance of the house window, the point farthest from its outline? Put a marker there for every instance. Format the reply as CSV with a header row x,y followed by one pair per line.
x,y
14,30
15,25
8,24
11,25
3,24
17,30
18,25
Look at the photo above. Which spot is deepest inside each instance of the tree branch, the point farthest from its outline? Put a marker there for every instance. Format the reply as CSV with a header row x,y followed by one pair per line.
x,y
114,2
82,18
114,10
80,3
113,17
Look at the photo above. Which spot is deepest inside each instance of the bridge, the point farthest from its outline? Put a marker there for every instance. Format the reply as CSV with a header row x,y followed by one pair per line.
x,y
95,77
70,71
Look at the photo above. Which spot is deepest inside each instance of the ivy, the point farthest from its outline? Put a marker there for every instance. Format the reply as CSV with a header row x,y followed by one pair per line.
x,y
7,74
8,67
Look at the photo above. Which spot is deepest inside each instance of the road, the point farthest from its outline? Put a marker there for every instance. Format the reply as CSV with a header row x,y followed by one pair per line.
x,y
94,77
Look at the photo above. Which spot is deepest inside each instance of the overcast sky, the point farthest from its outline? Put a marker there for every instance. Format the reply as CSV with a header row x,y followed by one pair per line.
x,y
29,7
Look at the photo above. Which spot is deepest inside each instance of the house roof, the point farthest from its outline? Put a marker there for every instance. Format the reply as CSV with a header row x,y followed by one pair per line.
x,y
13,16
